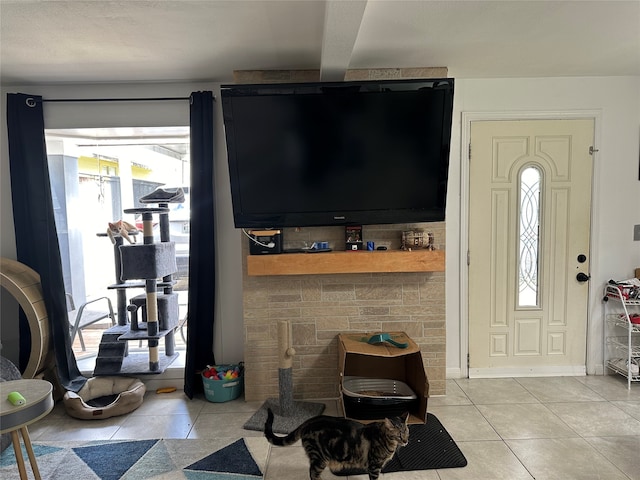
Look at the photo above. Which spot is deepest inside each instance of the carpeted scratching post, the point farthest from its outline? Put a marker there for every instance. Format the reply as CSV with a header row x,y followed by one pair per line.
x,y
289,414
152,302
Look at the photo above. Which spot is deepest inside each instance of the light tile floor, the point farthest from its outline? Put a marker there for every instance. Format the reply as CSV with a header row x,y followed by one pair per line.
x,y
560,428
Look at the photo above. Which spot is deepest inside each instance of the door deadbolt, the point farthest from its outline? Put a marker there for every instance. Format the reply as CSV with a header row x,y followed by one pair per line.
x,y
582,277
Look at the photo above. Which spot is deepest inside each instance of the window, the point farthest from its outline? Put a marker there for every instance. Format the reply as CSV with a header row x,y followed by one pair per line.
x,y
529,237
95,175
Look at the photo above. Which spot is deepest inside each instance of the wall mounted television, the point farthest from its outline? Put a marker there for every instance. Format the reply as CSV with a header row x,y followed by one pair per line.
x,y
338,153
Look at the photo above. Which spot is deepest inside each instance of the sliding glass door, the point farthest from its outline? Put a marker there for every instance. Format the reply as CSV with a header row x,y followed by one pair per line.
x,y
96,174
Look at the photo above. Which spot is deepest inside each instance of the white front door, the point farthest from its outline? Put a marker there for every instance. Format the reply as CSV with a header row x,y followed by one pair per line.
x,y
529,224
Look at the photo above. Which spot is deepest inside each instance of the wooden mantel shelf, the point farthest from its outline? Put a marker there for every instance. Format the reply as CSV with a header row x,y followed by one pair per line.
x,y
346,262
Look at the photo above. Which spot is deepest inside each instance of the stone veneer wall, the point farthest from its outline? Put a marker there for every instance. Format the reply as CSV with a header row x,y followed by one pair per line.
x,y
320,307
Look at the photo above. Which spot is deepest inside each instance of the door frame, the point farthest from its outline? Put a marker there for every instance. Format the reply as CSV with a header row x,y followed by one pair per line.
x,y
594,344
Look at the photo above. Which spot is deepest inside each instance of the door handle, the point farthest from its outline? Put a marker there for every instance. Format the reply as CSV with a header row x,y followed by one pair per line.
x,y
582,277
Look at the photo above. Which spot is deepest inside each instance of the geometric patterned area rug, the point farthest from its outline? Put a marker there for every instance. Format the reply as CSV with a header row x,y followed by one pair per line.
x,y
430,447
161,459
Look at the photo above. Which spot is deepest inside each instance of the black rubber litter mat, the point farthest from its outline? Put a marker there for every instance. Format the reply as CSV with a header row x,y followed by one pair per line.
x,y
430,447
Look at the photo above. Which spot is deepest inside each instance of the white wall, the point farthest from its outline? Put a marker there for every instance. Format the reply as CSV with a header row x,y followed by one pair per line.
x,y
616,200
229,337
616,184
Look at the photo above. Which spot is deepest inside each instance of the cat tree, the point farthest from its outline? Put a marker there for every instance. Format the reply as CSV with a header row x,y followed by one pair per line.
x,y
289,414
149,265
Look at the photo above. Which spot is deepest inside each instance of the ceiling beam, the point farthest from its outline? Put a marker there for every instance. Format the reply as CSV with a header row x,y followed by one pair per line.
x,y
341,27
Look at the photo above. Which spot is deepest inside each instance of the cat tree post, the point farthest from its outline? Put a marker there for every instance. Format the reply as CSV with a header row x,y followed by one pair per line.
x,y
121,295
170,342
152,299
285,376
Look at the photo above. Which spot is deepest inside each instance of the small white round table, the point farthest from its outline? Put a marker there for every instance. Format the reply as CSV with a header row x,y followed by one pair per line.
x,y
15,418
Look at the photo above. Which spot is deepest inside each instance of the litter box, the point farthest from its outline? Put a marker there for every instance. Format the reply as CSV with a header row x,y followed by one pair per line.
x,y
219,391
374,398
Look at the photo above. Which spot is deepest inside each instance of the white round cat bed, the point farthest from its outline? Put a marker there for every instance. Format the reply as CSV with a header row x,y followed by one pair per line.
x,y
104,397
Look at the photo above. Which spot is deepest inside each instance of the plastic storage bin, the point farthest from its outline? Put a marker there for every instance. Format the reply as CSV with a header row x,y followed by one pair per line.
x,y
219,391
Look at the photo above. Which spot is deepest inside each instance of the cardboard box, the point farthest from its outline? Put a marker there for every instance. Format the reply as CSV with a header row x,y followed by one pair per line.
x,y
356,357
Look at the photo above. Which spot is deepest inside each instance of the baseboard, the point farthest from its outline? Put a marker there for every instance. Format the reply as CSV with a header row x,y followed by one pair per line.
x,y
171,377
564,371
453,373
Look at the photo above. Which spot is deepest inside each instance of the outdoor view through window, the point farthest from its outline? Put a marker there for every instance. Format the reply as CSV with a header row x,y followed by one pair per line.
x,y
97,174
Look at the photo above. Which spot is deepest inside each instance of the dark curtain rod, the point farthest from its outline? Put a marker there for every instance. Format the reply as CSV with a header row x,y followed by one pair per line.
x,y
134,99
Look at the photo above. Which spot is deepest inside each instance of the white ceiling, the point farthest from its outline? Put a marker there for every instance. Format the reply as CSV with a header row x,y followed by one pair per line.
x,y
68,41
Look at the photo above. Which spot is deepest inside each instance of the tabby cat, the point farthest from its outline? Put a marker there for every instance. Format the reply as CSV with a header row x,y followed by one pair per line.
x,y
344,445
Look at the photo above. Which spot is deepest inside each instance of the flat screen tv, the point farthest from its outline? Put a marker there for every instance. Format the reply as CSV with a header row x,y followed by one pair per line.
x,y
347,153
